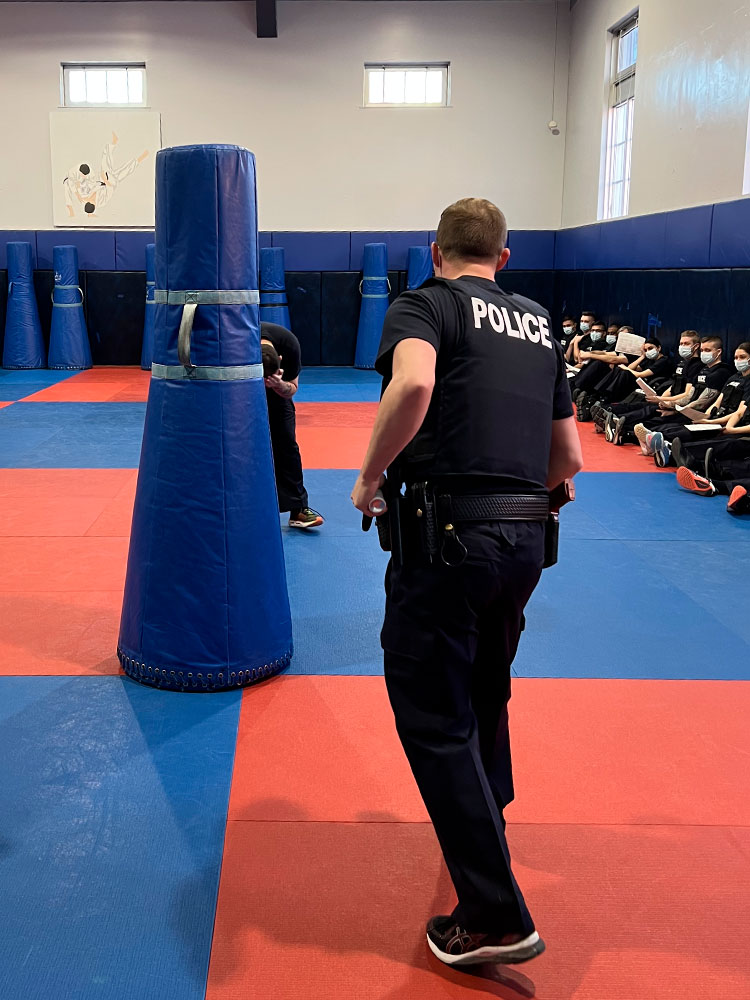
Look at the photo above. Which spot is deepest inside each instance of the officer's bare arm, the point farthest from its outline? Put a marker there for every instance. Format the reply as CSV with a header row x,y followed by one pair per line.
x,y
403,406
565,456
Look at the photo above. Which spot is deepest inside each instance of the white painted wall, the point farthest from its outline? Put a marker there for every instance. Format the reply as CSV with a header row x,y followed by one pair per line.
x,y
691,112
324,162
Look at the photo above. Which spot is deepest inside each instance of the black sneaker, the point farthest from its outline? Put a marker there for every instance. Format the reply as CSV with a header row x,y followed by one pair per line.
x,y
305,518
456,946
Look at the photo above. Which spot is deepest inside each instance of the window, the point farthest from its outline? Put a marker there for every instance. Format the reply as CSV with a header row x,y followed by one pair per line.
x,y
615,197
99,86
406,85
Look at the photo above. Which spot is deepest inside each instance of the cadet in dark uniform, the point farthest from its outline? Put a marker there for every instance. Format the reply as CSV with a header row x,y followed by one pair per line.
x,y
281,386
476,421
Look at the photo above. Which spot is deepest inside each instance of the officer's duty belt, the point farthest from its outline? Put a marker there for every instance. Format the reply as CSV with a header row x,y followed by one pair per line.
x,y
497,507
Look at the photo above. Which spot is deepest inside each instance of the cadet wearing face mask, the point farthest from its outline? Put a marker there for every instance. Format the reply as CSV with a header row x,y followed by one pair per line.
x,y
709,383
569,330
704,452
582,340
625,416
589,387
650,364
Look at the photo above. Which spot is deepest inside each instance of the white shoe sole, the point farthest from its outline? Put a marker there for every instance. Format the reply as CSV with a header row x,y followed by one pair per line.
x,y
510,954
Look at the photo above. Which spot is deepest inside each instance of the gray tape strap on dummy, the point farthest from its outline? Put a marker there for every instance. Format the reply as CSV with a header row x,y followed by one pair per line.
x,y
208,373
190,300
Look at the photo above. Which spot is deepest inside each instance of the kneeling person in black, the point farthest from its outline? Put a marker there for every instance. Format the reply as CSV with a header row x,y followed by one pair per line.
x,y
279,344
476,420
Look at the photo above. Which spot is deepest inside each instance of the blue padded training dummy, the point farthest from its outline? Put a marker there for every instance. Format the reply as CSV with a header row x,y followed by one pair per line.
x,y
206,604
374,290
273,305
68,339
419,267
147,350
24,345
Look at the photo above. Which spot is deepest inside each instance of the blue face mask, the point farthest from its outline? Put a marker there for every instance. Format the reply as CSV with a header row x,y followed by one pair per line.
x,y
707,357
611,339
596,335
742,366
585,327
653,353
685,352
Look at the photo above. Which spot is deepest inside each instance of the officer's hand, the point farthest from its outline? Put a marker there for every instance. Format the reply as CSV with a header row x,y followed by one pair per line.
x,y
364,490
275,382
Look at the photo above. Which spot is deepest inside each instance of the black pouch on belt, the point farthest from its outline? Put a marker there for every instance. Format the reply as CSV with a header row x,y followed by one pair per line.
x,y
551,539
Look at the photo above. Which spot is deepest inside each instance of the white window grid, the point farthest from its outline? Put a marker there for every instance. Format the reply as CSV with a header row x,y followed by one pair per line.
x,y
406,85
103,85
619,123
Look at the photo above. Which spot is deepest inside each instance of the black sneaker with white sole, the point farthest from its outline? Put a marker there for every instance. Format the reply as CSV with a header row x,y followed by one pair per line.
x,y
454,945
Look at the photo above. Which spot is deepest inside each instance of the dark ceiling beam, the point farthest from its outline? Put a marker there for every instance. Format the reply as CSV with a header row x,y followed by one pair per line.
x,y
265,19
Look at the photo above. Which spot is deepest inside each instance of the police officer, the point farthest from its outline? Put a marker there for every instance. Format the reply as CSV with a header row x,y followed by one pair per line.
x,y
476,421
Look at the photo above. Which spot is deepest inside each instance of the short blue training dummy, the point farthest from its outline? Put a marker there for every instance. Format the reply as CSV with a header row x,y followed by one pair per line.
x,y
24,345
419,267
273,305
206,604
147,350
374,290
68,339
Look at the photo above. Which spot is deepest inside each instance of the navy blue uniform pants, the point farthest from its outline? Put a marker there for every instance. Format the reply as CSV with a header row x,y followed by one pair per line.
x,y
449,638
287,461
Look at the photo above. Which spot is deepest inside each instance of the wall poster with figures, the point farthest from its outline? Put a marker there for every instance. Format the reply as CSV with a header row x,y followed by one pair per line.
x,y
103,167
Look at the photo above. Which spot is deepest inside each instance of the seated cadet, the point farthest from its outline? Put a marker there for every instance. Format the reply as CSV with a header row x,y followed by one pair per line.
x,y
602,362
594,342
709,383
569,330
651,363
582,339
728,414
733,484
680,390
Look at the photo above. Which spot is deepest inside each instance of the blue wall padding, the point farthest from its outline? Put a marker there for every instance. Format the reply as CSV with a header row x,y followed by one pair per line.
x,y
374,304
730,234
16,236
687,237
149,321
314,251
69,340
273,304
130,246
206,603
24,345
531,250
397,246
96,248
419,266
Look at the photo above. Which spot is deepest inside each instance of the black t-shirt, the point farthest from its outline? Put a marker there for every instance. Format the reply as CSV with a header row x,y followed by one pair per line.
x,y
734,391
564,339
287,346
500,380
660,368
711,378
685,374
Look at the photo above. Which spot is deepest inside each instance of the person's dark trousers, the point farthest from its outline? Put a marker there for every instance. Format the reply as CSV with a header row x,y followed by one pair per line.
x,y
614,386
589,376
287,461
449,638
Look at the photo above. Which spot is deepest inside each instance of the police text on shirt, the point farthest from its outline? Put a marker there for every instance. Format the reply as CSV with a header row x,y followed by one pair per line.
x,y
527,325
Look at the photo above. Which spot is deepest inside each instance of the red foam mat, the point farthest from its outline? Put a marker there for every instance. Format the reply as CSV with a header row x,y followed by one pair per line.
x,y
599,456
315,911
585,751
98,385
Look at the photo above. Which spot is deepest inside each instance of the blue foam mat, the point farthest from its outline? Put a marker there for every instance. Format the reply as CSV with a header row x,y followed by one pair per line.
x,y
71,435
629,598
15,385
114,800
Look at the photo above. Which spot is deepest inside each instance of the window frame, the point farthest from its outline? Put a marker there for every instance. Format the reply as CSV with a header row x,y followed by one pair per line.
x,y
619,83
66,67
444,67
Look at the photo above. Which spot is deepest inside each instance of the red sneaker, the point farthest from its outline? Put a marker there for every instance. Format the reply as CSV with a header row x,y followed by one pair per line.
x,y
739,502
691,481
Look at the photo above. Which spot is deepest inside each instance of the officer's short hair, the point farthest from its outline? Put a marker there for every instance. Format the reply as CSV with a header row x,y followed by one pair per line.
x,y
85,168
588,312
654,341
271,359
692,335
569,319
471,229
89,208
712,340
